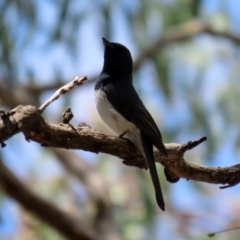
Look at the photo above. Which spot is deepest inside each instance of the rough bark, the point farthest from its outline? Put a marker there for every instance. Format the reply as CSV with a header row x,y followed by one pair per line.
x,y
27,119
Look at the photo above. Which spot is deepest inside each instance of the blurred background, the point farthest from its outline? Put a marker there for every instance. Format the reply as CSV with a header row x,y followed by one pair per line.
x,y
188,78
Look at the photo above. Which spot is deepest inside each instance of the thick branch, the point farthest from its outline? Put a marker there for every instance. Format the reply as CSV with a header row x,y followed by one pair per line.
x,y
97,189
30,122
19,95
65,224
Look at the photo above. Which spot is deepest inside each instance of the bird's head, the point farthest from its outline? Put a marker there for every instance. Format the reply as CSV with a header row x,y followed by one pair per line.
x,y
117,59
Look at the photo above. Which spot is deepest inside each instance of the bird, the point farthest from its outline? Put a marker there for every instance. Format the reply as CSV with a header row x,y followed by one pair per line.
x,y
122,110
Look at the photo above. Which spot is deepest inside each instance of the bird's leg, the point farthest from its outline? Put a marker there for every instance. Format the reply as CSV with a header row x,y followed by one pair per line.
x,y
122,134
126,139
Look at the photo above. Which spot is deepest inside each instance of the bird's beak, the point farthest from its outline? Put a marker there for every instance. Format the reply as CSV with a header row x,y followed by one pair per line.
x,y
106,43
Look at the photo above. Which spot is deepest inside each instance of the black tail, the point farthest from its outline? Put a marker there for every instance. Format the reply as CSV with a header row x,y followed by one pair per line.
x,y
148,150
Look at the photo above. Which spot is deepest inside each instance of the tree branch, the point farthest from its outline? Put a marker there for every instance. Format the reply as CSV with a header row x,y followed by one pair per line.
x,y
103,222
28,120
66,225
62,90
179,33
19,94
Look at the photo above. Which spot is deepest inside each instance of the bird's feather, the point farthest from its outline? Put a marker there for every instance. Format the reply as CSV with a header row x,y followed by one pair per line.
x,y
129,105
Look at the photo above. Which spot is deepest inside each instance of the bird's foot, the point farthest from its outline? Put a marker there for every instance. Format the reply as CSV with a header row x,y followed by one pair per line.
x,y
126,139
122,134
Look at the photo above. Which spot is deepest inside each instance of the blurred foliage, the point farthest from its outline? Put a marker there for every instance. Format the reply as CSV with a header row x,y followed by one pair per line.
x,y
35,229
13,13
201,102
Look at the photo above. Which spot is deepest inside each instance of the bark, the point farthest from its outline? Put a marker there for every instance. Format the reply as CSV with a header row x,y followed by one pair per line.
x,y
27,119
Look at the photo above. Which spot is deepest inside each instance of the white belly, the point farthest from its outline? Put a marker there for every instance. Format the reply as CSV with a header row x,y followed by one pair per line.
x,y
116,121
110,116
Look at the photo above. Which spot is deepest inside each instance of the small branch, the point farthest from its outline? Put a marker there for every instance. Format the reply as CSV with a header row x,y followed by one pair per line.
x,y
67,115
225,230
192,144
76,82
66,225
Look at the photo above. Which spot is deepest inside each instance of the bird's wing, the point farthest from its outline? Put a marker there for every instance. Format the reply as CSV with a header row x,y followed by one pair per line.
x,y
129,105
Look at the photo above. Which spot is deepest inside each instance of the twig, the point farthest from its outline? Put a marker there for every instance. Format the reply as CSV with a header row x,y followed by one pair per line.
x,y
67,115
225,230
76,82
192,144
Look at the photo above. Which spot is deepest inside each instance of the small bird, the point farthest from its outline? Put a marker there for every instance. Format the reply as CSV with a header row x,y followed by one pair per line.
x,y
120,107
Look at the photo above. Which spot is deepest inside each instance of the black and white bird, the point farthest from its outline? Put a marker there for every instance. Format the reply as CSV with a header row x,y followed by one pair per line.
x,y
120,107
